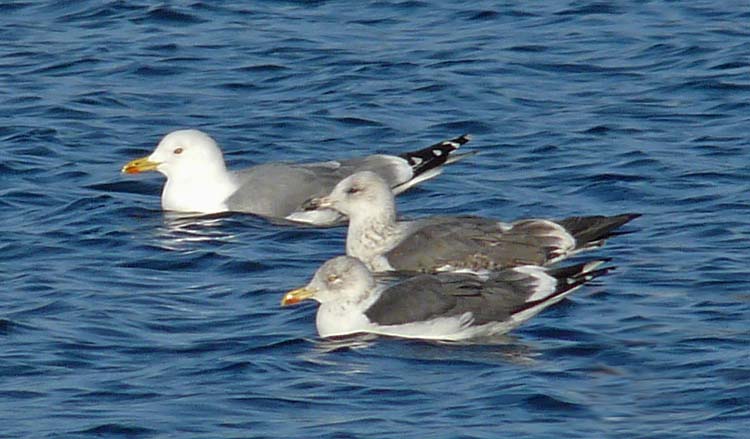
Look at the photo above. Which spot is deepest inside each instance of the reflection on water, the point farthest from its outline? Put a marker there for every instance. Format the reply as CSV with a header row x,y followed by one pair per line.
x,y
505,348
488,350
180,229
327,352
329,345
152,324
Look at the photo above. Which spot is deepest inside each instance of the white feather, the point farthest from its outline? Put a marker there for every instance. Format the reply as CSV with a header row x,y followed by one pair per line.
x,y
545,284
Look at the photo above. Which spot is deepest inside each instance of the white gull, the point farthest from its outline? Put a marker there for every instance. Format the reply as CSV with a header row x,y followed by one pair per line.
x,y
198,180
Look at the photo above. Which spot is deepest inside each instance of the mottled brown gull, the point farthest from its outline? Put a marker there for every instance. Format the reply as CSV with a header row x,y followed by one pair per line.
x,y
446,243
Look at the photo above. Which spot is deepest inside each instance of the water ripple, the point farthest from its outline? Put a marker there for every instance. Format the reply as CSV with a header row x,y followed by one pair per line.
x,y
120,320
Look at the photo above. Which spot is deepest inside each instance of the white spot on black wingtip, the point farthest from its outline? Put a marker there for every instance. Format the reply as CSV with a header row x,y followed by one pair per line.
x,y
433,157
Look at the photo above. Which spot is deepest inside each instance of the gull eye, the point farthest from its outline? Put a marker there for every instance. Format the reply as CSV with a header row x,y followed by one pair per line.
x,y
353,190
332,278
178,150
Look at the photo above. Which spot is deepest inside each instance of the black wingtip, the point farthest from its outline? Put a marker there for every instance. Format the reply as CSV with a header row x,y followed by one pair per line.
x,y
435,155
571,277
462,139
591,231
628,217
586,270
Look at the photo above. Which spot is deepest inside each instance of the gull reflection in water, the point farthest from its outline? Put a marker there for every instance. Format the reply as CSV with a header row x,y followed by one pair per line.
x,y
180,229
488,350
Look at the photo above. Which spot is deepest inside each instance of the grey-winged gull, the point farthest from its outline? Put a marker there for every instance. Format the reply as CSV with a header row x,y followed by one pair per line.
x,y
441,306
447,243
199,182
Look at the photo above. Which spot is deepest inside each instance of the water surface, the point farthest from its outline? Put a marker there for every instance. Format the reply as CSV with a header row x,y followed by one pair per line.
x,y
119,321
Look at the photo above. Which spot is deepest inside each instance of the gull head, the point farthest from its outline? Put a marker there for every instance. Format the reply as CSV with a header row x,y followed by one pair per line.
x,y
362,192
180,154
342,279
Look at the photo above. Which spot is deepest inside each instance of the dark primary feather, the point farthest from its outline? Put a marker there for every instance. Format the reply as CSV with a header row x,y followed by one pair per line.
x,y
568,278
433,156
592,230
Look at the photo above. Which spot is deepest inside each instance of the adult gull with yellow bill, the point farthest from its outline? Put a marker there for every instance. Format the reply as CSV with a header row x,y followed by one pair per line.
x,y
198,180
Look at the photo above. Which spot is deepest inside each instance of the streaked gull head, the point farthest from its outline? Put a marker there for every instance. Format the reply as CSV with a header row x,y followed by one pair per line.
x,y
341,279
362,193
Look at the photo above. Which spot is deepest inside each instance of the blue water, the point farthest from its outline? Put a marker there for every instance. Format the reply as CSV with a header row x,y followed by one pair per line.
x,y
118,321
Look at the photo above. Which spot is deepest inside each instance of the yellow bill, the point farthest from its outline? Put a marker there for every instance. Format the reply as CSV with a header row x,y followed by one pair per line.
x,y
136,166
296,296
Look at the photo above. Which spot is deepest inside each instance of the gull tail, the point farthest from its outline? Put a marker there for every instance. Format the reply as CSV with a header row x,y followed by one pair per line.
x,y
591,232
427,163
568,279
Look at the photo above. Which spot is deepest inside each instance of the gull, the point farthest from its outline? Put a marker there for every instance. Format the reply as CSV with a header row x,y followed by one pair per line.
x,y
439,306
198,180
446,243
